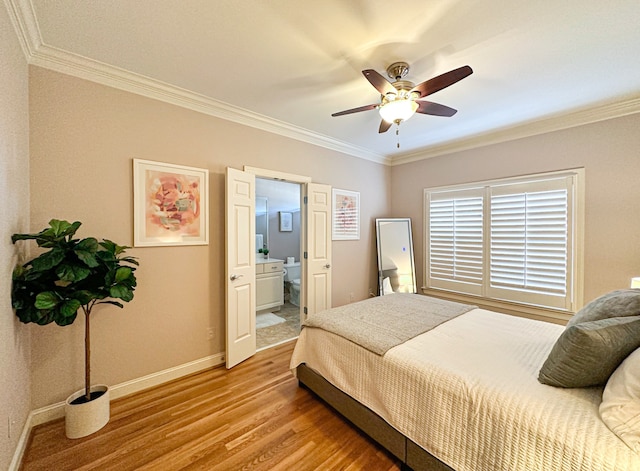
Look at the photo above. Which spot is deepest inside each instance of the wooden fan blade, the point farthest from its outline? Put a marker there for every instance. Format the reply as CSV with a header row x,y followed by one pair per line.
x,y
384,126
379,82
442,81
355,110
434,109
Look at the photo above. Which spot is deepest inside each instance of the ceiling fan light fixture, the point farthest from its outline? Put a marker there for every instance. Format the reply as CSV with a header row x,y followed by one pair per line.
x,y
398,110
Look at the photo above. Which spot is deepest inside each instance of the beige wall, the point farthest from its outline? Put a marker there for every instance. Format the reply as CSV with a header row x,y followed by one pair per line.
x,y
14,213
84,135
610,153
83,139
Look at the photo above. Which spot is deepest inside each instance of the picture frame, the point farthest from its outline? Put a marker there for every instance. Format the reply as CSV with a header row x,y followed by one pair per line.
x,y
170,204
346,215
286,221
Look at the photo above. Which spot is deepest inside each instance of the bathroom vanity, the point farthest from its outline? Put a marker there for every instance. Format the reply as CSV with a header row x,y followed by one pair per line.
x,y
269,284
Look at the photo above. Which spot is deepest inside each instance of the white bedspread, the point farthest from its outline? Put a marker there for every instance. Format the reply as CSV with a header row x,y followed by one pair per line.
x,y
467,392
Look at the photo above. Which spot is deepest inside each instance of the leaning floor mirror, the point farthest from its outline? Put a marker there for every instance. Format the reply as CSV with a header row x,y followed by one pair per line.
x,y
396,268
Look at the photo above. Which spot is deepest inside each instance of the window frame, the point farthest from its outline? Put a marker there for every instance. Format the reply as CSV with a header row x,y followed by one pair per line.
x,y
575,247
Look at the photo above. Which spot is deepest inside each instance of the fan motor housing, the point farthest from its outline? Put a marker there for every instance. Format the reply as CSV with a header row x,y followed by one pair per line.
x,y
403,85
397,70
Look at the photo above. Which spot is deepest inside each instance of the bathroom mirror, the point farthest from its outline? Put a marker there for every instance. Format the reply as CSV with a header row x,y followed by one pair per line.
x,y
262,222
396,268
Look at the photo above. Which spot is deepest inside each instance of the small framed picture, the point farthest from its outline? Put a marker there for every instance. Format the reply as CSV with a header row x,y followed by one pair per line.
x,y
286,222
170,204
346,215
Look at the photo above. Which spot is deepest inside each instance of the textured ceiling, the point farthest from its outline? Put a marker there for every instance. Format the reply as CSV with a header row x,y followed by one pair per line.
x,y
285,65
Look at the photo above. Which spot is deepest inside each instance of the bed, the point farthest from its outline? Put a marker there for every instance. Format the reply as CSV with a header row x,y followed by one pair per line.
x,y
463,395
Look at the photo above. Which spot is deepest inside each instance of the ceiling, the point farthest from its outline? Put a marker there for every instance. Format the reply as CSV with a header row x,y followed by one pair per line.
x,y
285,65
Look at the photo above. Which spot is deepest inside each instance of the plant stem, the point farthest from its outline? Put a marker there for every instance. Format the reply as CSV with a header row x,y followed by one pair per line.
x,y
87,356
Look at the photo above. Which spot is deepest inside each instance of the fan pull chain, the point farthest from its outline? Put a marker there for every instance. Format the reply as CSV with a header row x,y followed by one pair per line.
x,y
398,136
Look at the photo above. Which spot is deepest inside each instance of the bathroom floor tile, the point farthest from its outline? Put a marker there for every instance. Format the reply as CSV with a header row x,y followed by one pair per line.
x,y
287,330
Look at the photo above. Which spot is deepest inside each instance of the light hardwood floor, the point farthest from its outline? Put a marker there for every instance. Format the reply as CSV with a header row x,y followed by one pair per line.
x,y
253,417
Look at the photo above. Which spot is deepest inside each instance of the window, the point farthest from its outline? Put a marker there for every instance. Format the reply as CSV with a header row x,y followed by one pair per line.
x,y
514,240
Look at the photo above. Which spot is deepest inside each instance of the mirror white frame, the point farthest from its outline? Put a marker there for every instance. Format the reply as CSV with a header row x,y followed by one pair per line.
x,y
396,265
262,222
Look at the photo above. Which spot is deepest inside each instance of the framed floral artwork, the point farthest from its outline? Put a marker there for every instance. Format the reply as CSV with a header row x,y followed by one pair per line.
x,y
170,204
346,215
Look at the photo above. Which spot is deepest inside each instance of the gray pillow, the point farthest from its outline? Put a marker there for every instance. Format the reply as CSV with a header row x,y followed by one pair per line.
x,y
621,303
586,354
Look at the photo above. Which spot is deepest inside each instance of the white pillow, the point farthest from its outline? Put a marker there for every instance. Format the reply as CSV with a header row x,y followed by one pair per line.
x,y
620,407
386,286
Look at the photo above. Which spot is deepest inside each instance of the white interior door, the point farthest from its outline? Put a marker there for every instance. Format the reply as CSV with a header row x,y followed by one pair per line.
x,y
240,267
318,248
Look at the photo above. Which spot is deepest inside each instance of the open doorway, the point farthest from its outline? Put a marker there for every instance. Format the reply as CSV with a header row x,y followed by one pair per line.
x,y
241,255
278,272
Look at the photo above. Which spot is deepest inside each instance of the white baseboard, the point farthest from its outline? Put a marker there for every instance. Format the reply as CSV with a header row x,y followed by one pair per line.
x,y
56,411
22,444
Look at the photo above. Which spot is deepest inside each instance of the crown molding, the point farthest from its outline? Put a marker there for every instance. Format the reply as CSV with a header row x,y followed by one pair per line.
x,y
42,55
527,129
38,53
24,23
78,66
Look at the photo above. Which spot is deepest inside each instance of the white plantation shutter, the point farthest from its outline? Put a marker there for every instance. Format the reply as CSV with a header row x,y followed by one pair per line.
x,y
511,240
456,240
529,242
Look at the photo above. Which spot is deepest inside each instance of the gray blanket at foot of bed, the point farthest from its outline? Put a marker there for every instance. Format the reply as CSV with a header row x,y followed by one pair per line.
x,y
381,323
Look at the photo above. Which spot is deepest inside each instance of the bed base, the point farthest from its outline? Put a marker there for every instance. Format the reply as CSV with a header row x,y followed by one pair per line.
x,y
412,456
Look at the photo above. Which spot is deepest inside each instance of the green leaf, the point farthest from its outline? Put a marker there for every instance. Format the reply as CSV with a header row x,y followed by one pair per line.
x,y
70,232
113,247
62,321
46,300
129,282
84,296
121,292
16,237
115,303
18,272
44,317
52,236
26,314
86,251
48,260
61,231
131,260
58,227
123,273
106,257
33,275
42,236
70,308
109,246
71,272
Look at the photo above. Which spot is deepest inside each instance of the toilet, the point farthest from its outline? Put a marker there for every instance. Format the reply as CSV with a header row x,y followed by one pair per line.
x,y
292,280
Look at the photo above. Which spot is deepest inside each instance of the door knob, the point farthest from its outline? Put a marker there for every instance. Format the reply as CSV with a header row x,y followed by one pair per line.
x,y
234,277
327,266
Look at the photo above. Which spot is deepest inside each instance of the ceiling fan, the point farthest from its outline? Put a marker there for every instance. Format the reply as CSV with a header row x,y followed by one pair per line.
x,y
401,98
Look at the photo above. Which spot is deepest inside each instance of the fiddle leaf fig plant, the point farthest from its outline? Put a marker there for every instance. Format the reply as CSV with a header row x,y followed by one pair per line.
x,y
74,274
